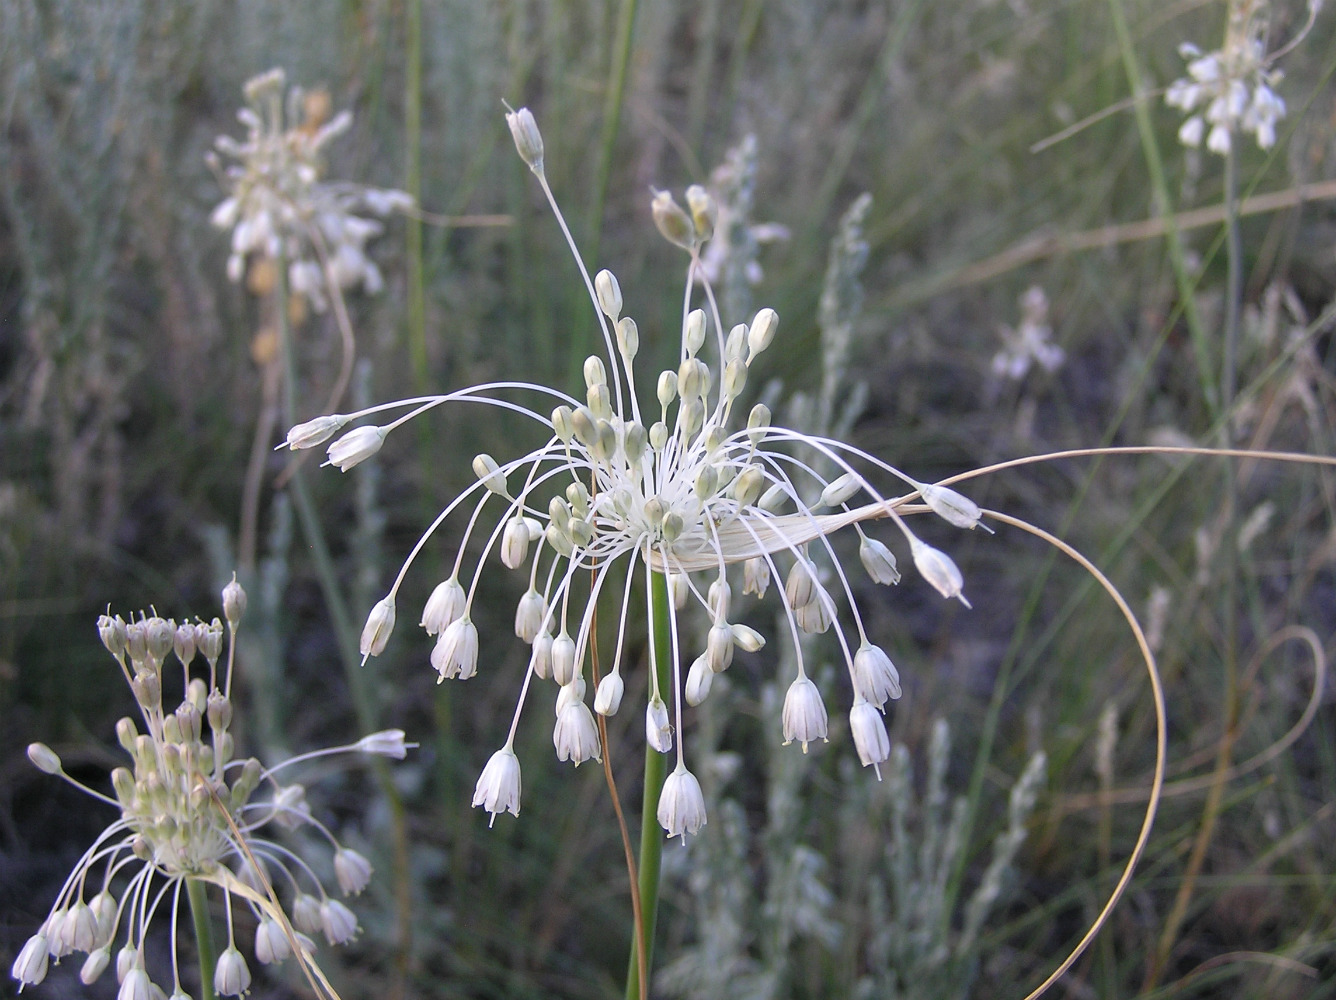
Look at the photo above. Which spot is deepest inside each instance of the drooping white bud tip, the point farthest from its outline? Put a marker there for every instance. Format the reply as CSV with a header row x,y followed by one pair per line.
x,y
951,506
386,743
939,570
379,625
355,447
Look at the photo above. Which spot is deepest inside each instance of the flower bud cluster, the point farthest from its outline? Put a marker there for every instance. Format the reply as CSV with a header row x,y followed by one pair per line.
x,y
189,809
279,208
1232,89
668,485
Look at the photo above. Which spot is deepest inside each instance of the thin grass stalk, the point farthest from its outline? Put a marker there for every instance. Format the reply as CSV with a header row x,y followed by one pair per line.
x,y
204,943
345,633
1229,570
344,630
843,155
637,912
1007,672
1002,686
1161,743
417,309
651,837
614,99
1155,167
248,534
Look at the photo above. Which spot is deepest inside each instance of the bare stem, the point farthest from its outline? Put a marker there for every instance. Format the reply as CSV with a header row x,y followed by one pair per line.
x,y
208,951
651,838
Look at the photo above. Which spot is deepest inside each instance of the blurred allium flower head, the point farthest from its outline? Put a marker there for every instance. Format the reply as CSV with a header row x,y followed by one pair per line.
x,y
736,237
675,484
1232,89
1030,342
190,810
278,205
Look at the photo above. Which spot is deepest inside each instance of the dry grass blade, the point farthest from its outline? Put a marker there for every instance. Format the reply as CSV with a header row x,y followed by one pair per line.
x,y
1161,740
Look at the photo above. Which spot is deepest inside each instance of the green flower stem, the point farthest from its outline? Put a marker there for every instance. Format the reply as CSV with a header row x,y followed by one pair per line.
x,y
1150,149
651,837
346,635
417,311
208,951
344,630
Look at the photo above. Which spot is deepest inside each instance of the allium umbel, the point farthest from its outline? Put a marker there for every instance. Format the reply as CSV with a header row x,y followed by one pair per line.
x,y
278,204
672,485
1232,89
190,811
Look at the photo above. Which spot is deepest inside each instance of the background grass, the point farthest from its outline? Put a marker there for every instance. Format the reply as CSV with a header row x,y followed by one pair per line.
x,y
128,394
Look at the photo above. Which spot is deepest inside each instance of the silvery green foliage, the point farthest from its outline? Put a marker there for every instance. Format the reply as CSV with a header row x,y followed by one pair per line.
x,y
841,304
85,92
746,940
914,950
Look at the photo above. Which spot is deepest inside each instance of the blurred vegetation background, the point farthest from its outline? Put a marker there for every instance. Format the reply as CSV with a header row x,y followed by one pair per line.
x,y
129,392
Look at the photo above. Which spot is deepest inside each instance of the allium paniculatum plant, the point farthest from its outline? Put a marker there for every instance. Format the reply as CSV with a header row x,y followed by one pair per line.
x,y
279,207
677,484
192,812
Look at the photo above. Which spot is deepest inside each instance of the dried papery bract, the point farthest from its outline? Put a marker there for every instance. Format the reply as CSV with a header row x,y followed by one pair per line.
x,y
190,814
688,483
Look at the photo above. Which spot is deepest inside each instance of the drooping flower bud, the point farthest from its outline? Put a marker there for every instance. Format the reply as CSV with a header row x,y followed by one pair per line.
x,y
489,474
839,490
563,659
658,730
514,543
608,695
869,733
700,678
376,631
446,604
804,716
878,560
938,569
315,432
355,447
951,506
